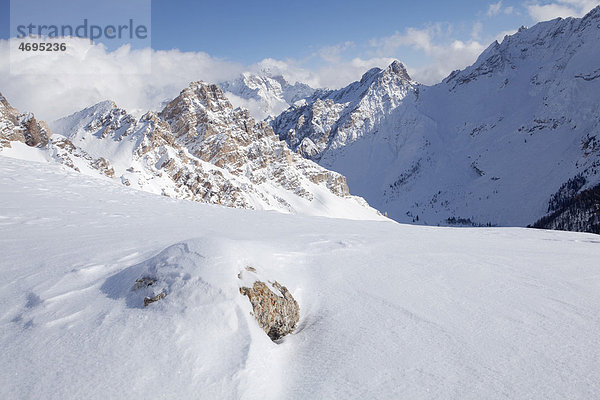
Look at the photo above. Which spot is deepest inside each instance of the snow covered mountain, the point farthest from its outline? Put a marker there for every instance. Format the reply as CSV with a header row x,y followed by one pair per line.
x,y
386,310
331,120
198,148
492,144
265,95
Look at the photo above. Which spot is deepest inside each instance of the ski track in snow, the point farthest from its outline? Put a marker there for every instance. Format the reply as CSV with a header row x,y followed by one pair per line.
x,y
387,310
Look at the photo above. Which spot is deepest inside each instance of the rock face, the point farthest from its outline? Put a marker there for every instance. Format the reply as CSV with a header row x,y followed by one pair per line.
x,y
201,148
21,127
490,145
276,315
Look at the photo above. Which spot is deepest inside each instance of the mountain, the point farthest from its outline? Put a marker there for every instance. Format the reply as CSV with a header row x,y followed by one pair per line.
x,y
198,148
265,95
492,144
330,120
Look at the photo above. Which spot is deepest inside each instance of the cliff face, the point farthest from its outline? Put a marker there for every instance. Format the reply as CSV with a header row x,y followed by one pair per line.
x,y
20,127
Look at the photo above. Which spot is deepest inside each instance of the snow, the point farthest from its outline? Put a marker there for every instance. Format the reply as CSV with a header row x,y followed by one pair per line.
x,y
387,310
23,152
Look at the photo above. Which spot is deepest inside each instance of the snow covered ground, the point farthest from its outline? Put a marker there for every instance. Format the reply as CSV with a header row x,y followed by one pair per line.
x,y
387,310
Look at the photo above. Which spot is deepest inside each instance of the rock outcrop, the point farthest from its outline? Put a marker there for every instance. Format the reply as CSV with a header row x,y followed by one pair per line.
x,y
276,315
21,127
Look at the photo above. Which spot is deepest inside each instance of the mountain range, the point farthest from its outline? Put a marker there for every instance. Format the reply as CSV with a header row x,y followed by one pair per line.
x,y
512,140
197,148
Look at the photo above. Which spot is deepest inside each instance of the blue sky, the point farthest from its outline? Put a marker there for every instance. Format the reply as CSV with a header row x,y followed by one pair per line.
x,y
249,31
325,43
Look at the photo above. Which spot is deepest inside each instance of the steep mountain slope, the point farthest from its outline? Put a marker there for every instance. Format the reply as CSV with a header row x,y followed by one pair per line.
x,y
489,145
265,94
386,310
198,148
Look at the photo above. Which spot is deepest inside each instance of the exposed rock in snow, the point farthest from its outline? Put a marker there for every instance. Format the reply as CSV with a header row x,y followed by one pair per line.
x,y
388,310
276,315
153,299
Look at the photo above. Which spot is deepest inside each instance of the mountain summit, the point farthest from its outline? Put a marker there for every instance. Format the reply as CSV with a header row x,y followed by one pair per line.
x,y
333,119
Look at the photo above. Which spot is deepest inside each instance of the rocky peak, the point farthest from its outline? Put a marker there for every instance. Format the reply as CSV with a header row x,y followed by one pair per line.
x,y
196,106
397,68
102,120
205,95
21,127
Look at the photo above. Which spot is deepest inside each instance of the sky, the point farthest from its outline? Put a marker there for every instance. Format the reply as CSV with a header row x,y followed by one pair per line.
x,y
322,43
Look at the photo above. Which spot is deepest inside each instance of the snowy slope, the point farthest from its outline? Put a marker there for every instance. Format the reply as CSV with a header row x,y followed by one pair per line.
x,y
264,94
387,310
491,144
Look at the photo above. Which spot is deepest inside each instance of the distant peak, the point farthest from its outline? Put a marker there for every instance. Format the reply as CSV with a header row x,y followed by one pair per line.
x,y
201,89
107,103
396,67
197,84
101,107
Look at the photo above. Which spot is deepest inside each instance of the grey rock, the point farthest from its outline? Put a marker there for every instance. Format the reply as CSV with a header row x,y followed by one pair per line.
x,y
276,315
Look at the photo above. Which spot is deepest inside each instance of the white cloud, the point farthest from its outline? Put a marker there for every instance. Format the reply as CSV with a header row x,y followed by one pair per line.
x,y
119,75
494,9
560,8
332,54
497,8
52,87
